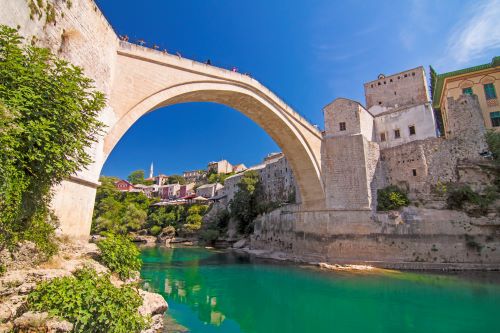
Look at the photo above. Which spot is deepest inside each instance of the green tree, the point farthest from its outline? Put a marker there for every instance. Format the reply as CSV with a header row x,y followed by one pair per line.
x,y
176,179
218,177
390,198
136,177
245,205
48,117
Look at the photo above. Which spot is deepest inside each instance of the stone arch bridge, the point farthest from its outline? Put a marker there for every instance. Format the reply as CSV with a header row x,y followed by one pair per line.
x,y
138,80
146,79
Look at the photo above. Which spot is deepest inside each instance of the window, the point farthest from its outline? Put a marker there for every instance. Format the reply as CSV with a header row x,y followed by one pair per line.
x,y
342,126
495,118
467,91
397,134
489,91
414,171
412,130
382,137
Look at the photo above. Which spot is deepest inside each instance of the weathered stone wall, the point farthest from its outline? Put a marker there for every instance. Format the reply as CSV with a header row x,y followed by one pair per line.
x,y
417,238
405,88
357,120
345,172
418,165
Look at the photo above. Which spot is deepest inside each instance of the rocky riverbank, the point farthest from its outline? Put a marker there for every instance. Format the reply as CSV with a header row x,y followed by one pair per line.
x,y
25,270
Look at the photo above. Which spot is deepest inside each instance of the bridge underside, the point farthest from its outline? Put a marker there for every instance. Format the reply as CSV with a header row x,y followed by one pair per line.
x,y
145,80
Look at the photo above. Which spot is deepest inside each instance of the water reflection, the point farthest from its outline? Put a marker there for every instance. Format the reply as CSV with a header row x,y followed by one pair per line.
x,y
212,291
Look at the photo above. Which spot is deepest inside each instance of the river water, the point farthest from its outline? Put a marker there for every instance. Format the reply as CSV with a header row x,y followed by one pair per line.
x,y
218,291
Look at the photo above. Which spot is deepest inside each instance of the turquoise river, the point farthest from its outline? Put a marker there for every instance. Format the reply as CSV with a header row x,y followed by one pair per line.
x,y
220,291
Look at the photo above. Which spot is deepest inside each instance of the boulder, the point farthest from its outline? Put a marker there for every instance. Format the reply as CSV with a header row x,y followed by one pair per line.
x,y
152,303
41,322
144,239
157,323
240,244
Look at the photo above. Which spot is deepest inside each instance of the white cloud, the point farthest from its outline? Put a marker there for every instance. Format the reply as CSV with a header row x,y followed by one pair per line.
x,y
476,35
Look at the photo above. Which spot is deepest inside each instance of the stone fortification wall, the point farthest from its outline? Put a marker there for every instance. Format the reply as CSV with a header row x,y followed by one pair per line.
x,y
405,88
344,165
414,239
355,118
419,165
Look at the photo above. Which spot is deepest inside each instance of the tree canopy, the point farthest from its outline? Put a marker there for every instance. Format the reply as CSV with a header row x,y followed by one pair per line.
x,y
136,177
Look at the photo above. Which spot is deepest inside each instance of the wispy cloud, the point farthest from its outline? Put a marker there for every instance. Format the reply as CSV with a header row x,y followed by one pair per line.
x,y
479,33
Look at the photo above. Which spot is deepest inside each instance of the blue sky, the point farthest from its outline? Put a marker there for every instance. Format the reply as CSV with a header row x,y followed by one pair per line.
x,y
307,52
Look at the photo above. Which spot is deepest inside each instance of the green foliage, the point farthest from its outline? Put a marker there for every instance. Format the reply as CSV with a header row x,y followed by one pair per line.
x,y
493,141
245,206
193,222
218,177
390,198
3,269
48,117
136,177
119,212
176,179
155,230
458,196
120,255
90,302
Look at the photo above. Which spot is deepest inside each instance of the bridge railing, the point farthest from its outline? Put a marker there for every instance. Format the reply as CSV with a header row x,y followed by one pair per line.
x,y
127,43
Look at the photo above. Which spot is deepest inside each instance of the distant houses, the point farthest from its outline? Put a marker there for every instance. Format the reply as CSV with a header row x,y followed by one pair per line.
x,y
274,173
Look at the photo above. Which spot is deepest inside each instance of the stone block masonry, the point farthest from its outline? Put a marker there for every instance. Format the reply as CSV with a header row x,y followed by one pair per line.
x,y
137,80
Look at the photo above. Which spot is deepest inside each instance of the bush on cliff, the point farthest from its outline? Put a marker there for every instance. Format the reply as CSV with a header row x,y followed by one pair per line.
x,y
120,255
391,198
459,196
48,117
247,202
493,141
90,302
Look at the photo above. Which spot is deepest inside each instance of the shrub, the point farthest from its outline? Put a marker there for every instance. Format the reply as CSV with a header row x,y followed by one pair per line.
x,y
493,140
120,255
155,230
3,269
458,196
90,302
461,195
48,119
390,198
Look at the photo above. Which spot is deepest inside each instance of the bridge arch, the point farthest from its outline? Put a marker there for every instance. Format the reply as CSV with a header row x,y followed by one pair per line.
x,y
253,103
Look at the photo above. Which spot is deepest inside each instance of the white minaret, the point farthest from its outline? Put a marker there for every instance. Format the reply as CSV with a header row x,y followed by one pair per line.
x,y
151,171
